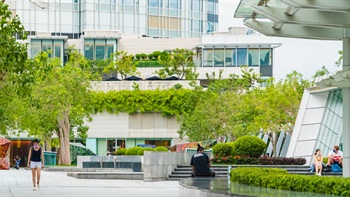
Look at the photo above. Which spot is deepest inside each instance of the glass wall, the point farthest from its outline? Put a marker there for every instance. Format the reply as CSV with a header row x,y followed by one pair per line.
x,y
228,57
331,127
99,48
54,46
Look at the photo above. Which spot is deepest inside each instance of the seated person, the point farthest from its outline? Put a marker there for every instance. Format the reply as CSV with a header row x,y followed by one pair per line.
x,y
200,163
335,157
17,162
318,159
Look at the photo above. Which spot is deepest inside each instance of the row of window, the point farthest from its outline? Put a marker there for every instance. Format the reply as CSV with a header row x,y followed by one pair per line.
x,y
231,57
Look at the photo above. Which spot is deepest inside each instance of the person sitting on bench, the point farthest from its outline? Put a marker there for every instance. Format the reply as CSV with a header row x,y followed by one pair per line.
x,y
200,163
335,157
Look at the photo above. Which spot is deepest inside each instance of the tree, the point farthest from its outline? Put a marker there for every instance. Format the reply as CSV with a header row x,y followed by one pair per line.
x,y
179,63
123,64
59,101
12,57
321,72
278,106
222,112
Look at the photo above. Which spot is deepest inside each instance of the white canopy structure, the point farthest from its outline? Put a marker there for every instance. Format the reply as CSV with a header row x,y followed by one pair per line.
x,y
310,19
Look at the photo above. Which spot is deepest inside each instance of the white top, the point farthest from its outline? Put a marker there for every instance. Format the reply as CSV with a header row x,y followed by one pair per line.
x,y
339,153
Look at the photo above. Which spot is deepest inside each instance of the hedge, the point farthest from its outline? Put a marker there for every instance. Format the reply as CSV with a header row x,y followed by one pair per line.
x,y
161,149
148,63
120,151
133,150
280,179
142,150
223,149
249,146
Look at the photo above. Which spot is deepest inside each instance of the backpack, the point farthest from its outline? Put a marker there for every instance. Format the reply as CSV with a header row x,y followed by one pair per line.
x,y
327,169
336,168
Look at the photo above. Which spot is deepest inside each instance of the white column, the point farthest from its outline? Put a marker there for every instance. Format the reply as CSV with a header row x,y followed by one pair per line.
x,y
346,112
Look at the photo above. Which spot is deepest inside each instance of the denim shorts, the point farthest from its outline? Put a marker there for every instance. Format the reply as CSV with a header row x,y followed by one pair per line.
x,y
35,164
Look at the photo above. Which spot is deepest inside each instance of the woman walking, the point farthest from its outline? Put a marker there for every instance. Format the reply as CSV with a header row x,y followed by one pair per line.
x,y
36,163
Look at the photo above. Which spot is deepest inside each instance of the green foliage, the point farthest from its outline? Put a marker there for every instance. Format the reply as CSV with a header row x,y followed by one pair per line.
x,y
179,63
168,102
161,149
280,179
249,146
142,150
121,151
150,56
122,64
143,56
138,56
133,151
148,63
156,54
235,160
321,72
223,149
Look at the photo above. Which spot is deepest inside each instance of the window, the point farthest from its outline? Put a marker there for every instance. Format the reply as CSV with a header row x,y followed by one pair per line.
x,y
173,4
35,47
241,57
159,142
196,5
253,57
155,3
265,57
211,7
99,48
230,57
219,55
208,57
89,49
196,25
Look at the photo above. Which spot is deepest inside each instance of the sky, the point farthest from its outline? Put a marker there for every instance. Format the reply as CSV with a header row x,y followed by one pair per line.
x,y
302,55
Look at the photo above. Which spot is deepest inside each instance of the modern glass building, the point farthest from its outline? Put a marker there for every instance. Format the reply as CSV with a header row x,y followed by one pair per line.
x,y
149,18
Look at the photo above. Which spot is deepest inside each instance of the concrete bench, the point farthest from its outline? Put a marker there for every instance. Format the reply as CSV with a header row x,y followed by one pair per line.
x,y
107,175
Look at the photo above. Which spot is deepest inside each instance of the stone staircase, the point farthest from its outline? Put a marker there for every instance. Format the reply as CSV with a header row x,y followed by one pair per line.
x,y
184,171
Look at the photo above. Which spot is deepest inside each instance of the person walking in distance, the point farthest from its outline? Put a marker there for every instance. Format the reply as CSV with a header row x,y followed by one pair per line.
x,y
36,163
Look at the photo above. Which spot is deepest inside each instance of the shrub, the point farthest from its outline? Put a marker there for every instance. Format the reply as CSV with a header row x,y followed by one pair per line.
x,y
236,160
133,150
156,54
121,151
148,63
281,161
143,56
150,56
249,146
138,56
142,150
280,179
223,149
161,149
132,56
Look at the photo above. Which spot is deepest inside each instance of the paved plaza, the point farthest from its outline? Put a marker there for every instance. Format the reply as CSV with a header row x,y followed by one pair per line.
x,y
17,183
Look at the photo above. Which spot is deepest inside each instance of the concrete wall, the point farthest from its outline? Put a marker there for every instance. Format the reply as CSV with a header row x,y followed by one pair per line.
x,y
122,158
158,166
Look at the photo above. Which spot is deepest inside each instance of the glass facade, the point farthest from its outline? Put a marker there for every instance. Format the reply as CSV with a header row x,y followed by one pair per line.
x,y
55,46
150,18
331,127
235,57
99,48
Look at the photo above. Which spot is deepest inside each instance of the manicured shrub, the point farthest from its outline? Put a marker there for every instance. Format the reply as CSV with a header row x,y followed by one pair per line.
x,y
121,151
150,56
143,56
142,150
138,56
156,54
243,160
161,149
235,160
133,150
280,179
148,63
223,149
249,146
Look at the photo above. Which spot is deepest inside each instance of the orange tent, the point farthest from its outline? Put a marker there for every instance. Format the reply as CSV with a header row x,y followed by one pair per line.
x,y
4,154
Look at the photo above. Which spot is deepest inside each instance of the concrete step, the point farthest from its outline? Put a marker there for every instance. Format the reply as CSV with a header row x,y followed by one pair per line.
x,y
190,171
75,169
107,175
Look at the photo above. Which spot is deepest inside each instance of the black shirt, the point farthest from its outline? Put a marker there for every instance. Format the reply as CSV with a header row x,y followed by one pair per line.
x,y
201,161
36,155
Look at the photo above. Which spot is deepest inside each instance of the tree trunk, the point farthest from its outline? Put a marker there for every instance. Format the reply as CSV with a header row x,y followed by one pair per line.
x,y
63,133
273,140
